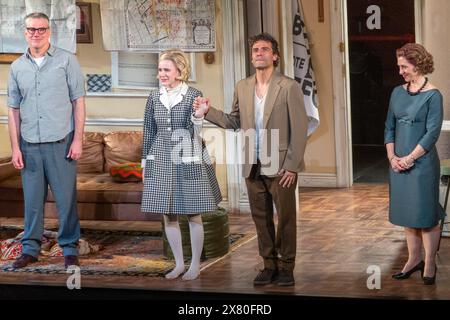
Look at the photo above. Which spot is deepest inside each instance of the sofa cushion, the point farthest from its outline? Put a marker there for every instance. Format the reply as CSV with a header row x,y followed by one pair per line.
x,y
94,188
5,159
100,188
122,147
11,188
7,169
92,158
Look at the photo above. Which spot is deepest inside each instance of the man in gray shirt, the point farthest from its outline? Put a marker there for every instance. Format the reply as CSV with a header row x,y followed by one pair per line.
x,y
46,122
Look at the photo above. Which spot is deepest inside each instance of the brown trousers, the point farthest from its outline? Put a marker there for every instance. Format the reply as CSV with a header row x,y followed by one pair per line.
x,y
281,245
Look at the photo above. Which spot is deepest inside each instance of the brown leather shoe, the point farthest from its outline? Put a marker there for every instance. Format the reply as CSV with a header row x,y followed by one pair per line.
x,y
71,261
265,276
23,261
286,278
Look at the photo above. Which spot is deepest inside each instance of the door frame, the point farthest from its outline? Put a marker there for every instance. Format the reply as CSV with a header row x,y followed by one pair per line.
x,y
341,86
233,59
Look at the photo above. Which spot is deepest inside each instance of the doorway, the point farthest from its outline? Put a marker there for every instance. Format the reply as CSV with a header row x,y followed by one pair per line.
x,y
376,28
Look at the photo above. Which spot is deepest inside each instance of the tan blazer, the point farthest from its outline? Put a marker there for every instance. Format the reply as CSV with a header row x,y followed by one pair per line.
x,y
284,110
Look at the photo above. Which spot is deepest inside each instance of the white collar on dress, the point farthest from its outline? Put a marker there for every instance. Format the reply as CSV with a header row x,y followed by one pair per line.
x,y
166,100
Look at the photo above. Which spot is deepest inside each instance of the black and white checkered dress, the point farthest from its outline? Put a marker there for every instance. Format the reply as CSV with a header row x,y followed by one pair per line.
x,y
179,177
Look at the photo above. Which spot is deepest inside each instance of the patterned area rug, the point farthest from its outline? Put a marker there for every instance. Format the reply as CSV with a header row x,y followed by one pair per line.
x,y
123,253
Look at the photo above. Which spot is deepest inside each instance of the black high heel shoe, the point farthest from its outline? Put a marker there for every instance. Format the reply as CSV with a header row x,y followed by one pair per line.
x,y
430,280
405,275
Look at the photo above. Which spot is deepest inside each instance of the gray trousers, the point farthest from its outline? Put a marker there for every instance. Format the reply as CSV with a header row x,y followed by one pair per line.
x,y
45,164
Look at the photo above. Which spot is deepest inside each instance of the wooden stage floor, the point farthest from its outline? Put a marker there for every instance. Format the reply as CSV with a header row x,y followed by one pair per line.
x,y
341,232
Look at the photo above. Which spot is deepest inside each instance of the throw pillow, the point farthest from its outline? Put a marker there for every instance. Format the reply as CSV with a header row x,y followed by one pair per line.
x,y
127,172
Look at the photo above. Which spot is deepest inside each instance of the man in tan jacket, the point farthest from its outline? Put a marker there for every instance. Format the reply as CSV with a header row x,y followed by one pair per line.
x,y
269,108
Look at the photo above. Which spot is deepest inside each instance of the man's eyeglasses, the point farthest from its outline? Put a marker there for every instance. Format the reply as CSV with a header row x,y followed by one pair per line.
x,y
39,30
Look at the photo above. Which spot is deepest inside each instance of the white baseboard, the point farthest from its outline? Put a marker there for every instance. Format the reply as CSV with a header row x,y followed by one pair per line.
x,y
317,180
244,206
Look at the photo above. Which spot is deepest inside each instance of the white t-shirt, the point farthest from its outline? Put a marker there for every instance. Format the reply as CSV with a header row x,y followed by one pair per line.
x,y
39,60
259,116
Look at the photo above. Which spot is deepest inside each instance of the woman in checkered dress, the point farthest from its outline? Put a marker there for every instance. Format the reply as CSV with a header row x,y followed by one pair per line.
x,y
178,175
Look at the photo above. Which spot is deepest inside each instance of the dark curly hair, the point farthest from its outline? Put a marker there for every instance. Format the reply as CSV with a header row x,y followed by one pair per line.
x,y
266,37
418,56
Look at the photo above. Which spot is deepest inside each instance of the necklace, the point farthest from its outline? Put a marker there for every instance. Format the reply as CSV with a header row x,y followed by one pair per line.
x,y
418,91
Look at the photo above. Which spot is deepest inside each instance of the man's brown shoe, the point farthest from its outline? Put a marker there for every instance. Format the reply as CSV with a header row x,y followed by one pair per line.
x,y
23,261
265,276
71,261
286,278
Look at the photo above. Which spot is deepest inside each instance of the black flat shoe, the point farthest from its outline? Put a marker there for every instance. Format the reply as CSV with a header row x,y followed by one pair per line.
x,y
405,275
430,280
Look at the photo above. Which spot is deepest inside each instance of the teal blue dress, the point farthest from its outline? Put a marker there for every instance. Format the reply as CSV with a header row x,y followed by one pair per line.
x,y
414,193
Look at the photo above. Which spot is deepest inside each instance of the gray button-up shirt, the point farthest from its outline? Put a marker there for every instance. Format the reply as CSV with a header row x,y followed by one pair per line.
x,y
44,94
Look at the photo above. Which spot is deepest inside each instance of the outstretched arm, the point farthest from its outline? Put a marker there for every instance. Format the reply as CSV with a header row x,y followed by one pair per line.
x,y
220,118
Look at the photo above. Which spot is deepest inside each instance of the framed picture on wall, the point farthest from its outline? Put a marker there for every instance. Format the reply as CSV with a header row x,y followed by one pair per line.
x,y
84,22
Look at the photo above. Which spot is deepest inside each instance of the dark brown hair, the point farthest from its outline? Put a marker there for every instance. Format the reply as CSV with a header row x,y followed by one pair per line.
x,y
418,56
266,37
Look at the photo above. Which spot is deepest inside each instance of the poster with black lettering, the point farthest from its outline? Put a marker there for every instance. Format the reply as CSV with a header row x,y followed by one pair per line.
x,y
303,70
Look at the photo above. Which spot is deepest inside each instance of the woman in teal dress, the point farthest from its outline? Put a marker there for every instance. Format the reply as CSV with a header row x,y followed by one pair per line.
x,y
412,128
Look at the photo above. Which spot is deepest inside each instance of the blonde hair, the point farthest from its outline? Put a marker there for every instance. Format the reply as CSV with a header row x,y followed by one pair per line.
x,y
179,60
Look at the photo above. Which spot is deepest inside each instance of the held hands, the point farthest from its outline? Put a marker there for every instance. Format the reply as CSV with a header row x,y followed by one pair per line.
x,y
401,164
201,107
395,164
407,162
288,178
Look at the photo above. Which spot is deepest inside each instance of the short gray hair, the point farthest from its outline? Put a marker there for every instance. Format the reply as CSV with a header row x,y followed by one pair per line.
x,y
36,15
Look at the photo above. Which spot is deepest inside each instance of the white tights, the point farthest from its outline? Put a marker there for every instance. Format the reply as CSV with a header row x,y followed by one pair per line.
x,y
173,234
